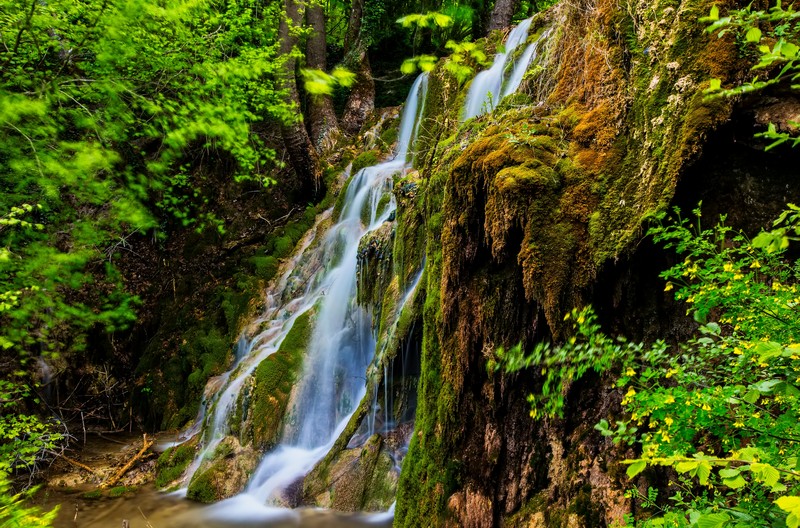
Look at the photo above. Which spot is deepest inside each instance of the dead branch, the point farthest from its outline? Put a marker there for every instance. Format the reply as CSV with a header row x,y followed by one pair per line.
x,y
79,465
124,469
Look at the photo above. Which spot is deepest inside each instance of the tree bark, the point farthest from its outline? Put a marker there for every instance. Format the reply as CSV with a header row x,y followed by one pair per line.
x,y
362,96
321,115
302,154
502,13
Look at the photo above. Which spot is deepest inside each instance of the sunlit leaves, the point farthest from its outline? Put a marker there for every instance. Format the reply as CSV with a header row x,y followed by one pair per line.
x,y
317,82
775,35
791,505
421,62
14,509
430,19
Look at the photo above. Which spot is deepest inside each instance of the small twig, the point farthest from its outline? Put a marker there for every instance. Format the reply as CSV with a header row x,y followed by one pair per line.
x,y
146,520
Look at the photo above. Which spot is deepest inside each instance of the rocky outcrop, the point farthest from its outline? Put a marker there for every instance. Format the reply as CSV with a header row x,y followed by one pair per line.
x,y
533,210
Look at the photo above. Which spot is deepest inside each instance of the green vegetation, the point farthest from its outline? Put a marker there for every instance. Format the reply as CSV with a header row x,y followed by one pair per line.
x,y
365,159
14,512
775,35
722,409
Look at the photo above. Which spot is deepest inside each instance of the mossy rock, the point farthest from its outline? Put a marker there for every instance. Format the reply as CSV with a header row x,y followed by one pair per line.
x,y
360,479
224,474
173,462
365,159
374,264
263,405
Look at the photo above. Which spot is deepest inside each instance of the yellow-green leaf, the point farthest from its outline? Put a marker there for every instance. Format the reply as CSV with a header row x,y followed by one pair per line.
x,y
636,468
753,35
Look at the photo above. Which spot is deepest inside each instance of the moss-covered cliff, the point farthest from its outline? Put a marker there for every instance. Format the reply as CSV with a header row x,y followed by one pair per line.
x,y
524,210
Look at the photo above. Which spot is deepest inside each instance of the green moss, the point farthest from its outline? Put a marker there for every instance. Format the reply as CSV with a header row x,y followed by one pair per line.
x,y
119,491
382,205
365,159
203,487
264,266
173,462
93,495
388,137
273,381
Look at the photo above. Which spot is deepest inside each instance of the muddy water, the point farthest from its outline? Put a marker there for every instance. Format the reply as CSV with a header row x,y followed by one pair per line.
x,y
148,508
145,507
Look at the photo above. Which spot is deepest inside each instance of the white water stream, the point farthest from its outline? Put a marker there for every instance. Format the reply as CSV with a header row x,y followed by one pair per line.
x,y
320,276
504,76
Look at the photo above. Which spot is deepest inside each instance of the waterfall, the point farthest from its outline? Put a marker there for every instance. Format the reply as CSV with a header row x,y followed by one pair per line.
x,y
504,76
322,277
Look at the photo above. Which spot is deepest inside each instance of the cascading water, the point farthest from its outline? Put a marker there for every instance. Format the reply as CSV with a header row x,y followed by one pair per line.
x,y
321,278
342,344
503,78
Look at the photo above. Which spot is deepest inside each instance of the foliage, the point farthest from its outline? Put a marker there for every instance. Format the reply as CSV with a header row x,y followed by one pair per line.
x,y
775,35
24,438
431,19
113,114
724,413
721,409
317,82
14,513
465,57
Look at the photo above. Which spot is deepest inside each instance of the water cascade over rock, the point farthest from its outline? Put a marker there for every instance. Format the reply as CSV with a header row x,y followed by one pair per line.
x,y
504,76
324,382
301,373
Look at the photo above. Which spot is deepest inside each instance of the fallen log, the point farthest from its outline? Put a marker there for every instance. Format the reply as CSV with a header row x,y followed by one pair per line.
x,y
124,469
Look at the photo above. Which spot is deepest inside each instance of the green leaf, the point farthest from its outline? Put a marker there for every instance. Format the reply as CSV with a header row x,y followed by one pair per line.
x,y
635,468
344,76
703,472
768,350
790,504
409,66
734,483
713,520
789,50
752,396
753,35
728,473
442,20
766,474
685,466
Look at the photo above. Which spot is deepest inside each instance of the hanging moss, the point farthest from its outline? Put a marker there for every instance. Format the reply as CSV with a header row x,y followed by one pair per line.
x,y
533,201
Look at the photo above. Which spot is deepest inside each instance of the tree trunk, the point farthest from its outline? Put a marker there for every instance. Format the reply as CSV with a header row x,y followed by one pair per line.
x,y
321,115
302,154
502,13
362,96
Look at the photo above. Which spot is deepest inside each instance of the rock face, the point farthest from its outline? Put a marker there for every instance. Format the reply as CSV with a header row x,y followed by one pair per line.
x,y
541,207
360,479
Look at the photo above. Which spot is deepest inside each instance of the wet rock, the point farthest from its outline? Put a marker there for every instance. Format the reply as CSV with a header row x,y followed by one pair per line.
x,y
360,479
225,474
